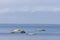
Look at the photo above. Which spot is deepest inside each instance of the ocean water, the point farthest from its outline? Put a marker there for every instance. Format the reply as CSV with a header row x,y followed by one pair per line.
x,y
32,32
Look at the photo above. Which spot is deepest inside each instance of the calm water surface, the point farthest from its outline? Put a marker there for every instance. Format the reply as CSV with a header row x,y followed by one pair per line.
x,y
52,32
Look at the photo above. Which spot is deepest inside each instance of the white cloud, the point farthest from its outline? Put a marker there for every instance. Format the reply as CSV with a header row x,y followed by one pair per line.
x,y
52,9
6,1
29,1
11,6
30,9
4,10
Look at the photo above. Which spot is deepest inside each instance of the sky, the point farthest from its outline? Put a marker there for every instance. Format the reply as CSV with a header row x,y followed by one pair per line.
x,y
30,11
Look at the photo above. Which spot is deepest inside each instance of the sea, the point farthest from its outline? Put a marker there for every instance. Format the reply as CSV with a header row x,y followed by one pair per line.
x,y
52,32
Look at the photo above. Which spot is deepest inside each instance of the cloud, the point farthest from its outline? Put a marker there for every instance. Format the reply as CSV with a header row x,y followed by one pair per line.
x,y
31,2
29,5
6,1
30,9
49,9
4,10
22,11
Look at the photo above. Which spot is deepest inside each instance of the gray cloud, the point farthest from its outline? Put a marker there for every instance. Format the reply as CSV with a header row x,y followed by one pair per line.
x,y
29,11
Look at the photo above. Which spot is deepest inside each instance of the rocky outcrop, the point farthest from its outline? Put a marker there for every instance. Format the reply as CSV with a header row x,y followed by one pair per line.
x,y
18,31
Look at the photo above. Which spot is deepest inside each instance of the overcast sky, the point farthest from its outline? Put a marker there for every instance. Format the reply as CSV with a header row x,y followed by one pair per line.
x,y
30,11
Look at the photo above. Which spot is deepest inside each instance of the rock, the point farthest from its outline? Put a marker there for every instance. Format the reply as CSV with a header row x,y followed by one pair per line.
x,y
17,31
41,30
22,31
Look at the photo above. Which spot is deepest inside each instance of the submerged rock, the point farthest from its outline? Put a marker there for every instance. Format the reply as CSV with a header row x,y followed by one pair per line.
x,y
18,31
41,30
